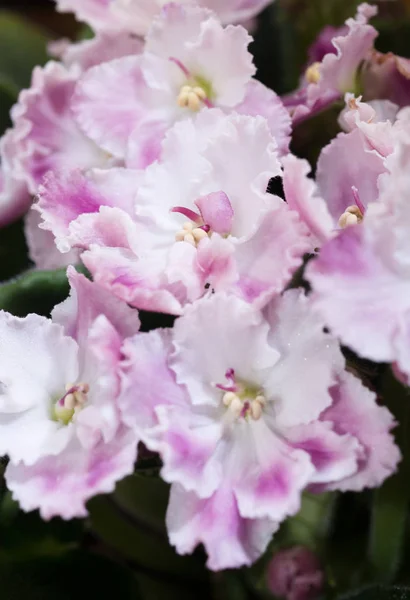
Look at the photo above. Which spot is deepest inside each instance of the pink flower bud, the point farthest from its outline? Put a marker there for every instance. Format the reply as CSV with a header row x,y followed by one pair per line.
x,y
295,574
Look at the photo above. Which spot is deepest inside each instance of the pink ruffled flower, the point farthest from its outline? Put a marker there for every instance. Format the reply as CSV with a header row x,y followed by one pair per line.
x,y
59,419
374,120
336,74
136,16
190,62
45,136
323,44
158,239
238,441
361,279
355,68
341,194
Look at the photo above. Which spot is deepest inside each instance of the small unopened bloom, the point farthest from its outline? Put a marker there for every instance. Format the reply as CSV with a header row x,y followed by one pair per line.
x,y
295,574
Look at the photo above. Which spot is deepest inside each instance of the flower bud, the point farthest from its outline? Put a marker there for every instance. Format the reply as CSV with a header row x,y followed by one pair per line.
x,y
295,574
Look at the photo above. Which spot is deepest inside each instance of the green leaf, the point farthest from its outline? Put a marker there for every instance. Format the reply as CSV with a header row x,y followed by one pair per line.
x,y
75,576
311,524
379,592
391,501
22,47
35,292
132,521
26,536
85,33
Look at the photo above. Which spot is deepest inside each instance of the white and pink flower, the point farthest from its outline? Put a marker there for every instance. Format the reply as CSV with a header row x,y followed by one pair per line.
x,y
361,279
158,239
239,439
190,62
59,419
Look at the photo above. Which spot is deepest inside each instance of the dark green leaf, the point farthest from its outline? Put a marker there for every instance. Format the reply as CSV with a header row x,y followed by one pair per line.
x,y
132,521
22,47
34,292
75,576
85,33
379,592
26,536
310,526
392,500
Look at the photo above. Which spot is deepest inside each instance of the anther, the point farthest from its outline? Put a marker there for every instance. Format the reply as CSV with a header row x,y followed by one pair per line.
x,y
191,97
228,398
312,74
352,216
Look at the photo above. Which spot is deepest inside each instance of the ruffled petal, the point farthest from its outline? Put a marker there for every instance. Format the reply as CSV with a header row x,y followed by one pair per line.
x,y
45,132
230,540
86,302
266,261
335,456
147,380
268,474
358,294
225,344
340,168
302,196
355,412
68,195
139,282
261,101
110,101
60,486
297,333
37,361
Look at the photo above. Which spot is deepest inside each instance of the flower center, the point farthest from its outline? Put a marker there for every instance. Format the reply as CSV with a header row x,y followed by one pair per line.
x,y
312,74
191,97
352,216
242,400
64,410
192,234
195,92
192,231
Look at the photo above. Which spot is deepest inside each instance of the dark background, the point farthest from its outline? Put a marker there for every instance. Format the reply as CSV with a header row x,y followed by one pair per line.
x,y
43,12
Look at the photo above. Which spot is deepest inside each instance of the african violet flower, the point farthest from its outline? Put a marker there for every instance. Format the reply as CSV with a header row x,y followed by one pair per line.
x,y
218,398
136,16
356,68
59,419
45,136
159,238
361,278
340,194
190,62
336,74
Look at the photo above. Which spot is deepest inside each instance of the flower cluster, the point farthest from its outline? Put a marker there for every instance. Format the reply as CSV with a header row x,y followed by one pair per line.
x,y
149,150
